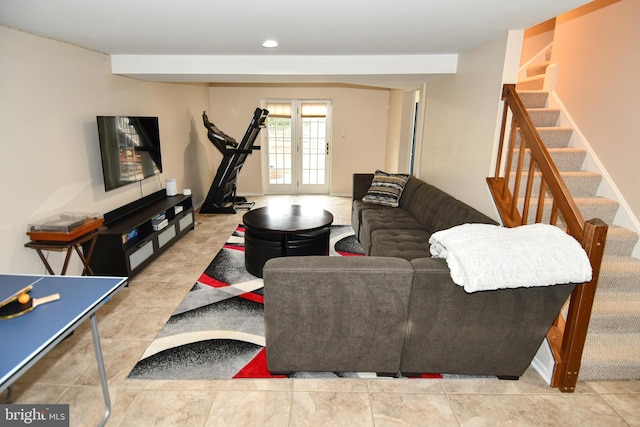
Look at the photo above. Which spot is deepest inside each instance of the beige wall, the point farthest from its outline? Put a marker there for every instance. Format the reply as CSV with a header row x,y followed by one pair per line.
x,y
394,130
50,161
596,47
537,38
462,118
359,127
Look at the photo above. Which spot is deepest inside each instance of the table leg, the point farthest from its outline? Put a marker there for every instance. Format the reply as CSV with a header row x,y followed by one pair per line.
x,y
87,271
45,262
90,253
66,261
101,369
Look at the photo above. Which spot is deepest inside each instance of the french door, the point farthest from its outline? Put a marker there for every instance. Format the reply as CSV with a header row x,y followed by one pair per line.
x,y
296,147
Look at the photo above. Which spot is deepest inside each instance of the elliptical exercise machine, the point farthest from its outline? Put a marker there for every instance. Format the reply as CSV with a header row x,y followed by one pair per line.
x,y
222,194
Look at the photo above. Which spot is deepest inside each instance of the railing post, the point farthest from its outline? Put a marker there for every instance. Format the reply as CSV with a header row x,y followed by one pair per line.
x,y
575,333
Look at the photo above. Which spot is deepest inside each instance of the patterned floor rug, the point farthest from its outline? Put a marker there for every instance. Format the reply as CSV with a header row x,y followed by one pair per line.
x,y
217,331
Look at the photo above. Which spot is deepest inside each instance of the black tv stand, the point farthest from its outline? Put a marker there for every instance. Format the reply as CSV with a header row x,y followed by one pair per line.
x,y
222,196
134,234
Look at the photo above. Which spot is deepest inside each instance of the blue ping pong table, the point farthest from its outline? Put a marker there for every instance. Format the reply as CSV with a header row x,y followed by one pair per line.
x,y
35,333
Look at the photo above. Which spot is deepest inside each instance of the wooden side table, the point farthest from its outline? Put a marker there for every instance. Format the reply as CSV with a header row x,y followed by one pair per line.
x,y
70,246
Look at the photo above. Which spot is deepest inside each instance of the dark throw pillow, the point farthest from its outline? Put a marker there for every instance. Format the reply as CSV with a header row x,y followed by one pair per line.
x,y
386,188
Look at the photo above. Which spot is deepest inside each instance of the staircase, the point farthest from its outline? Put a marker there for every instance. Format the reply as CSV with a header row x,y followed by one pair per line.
x,y
612,348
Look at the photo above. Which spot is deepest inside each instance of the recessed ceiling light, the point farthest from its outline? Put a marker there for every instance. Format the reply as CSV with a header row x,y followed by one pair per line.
x,y
270,43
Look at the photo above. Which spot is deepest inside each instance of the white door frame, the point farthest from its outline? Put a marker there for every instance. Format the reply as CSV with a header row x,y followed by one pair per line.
x,y
294,184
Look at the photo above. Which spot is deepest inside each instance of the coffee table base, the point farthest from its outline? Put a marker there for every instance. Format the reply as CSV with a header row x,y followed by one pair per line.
x,y
261,246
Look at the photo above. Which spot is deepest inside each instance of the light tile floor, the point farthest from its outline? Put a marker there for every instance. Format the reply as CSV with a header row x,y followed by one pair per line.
x,y
130,321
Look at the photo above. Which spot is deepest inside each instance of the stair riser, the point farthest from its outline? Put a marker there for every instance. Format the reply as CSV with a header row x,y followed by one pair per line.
x,y
620,241
537,69
615,323
610,357
618,282
531,83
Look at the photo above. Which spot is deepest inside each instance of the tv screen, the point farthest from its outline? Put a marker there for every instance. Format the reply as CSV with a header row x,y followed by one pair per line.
x,y
130,149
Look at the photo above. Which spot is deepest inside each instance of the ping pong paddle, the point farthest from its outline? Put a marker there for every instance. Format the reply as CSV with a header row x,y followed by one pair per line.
x,y
15,308
15,295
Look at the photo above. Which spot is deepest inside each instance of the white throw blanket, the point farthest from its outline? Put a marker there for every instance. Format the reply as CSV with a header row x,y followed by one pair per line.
x,y
485,257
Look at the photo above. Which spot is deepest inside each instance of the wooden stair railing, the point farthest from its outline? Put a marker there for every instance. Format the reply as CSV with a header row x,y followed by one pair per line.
x,y
554,206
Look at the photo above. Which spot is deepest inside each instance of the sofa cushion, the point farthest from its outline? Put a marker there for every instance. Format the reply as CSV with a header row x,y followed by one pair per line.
x,y
385,219
386,189
406,244
358,206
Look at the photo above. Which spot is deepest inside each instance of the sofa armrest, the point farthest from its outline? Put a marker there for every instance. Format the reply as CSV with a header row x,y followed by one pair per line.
x,y
332,314
361,184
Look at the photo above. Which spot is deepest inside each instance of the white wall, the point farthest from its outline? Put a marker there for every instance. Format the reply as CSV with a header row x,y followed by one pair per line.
x,y
49,157
359,127
462,121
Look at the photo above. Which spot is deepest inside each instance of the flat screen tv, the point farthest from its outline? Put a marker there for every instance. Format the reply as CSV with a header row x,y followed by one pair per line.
x,y
130,149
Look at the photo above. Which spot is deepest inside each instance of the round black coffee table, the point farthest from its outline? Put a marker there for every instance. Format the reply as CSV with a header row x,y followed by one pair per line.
x,y
276,231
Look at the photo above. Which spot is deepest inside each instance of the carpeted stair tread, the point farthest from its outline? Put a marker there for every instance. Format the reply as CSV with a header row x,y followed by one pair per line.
x,y
620,241
580,183
610,357
544,117
552,136
565,159
537,69
531,83
534,98
619,274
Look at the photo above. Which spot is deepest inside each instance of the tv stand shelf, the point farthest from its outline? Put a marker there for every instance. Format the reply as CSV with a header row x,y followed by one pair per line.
x,y
130,241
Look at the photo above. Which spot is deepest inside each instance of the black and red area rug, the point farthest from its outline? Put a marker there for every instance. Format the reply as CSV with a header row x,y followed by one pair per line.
x,y
217,331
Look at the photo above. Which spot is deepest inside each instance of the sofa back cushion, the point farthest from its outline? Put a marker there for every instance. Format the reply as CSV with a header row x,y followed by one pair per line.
x,y
437,210
453,212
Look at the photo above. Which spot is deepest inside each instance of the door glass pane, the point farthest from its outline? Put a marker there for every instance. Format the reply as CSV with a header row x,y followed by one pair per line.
x,y
314,124
279,139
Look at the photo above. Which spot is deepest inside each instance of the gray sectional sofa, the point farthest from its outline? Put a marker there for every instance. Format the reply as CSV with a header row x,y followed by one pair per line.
x,y
397,310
